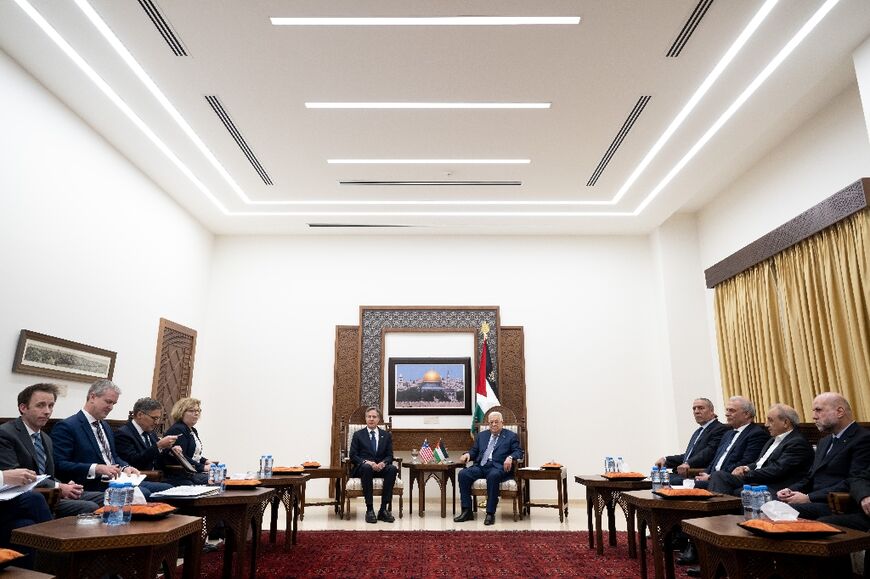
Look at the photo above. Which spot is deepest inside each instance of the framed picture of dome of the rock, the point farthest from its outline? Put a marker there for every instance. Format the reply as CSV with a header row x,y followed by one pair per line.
x,y
429,386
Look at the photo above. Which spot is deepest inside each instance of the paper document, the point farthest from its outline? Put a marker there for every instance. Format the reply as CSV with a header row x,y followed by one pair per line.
x,y
10,492
189,491
131,478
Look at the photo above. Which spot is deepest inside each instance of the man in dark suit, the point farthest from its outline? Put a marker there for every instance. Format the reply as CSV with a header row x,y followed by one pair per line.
x,y
24,510
843,453
84,446
740,445
859,490
702,445
136,441
494,451
371,452
24,445
785,458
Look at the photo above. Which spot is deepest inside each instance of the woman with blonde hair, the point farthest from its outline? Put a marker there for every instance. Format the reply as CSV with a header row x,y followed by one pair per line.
x,y
185,464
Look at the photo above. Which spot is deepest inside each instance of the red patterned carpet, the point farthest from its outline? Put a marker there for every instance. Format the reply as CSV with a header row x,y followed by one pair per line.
x,y
438,554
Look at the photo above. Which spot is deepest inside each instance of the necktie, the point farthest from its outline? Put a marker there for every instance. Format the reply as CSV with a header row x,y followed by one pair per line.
x,y
833,442
147,439
101,438
692,442
40,453
374,442
724,447
487,454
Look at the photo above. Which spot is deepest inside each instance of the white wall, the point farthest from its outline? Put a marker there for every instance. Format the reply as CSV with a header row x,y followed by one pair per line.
x,y
90,249
588,305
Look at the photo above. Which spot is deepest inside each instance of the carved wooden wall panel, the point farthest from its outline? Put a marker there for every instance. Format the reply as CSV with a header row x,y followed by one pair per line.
x,y
345,390
512,369
173,365
457,441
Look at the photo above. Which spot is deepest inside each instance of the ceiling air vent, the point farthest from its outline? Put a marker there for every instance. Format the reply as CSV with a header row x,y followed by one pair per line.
x,y
163,27
617,140
218,108
689,28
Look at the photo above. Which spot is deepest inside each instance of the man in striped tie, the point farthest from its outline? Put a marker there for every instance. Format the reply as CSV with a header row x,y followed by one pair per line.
x,y
24,445
702,444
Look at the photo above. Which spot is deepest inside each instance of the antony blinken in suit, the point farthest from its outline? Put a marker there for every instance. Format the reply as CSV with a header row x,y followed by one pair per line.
x,y
18,449
702,444
494,451
843,453
84,446
371,452
136,441
785,459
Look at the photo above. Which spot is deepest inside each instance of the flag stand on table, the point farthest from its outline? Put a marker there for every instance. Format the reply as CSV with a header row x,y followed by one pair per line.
x,y
485,393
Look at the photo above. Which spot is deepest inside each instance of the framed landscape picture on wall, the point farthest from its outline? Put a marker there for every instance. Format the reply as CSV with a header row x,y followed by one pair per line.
x,y
430,386
44,355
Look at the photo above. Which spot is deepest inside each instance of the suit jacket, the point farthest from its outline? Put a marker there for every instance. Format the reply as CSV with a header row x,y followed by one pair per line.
x,y
704,449
361,448
17,450
859,485
746,449
131,447
786,465
76,449
508,445
849,456
187,444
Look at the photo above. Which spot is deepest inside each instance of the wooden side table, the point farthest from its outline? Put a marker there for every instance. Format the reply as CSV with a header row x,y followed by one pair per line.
x,y
441,472
335,474
140,549
722,544
605,494
560,475
289,490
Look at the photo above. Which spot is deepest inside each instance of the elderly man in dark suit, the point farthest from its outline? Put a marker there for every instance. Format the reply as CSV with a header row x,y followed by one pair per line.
x,y
24,445
784,460
494,451
371,452
702,445
136,441
84,446
843,453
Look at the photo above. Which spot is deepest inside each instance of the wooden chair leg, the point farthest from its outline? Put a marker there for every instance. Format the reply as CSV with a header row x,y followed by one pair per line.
x,y
515,508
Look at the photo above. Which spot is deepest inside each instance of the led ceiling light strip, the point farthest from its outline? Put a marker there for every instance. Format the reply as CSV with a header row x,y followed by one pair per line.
x,y
423,105
143,77
429,21
428,161
741,100
104,87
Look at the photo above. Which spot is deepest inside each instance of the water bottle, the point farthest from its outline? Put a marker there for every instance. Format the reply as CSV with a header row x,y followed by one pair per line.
x,y
655,478
262,472
764,498
606,464
746,499
222,475
619,464
113,504
213,475
664,477
269,464
127,508
756,502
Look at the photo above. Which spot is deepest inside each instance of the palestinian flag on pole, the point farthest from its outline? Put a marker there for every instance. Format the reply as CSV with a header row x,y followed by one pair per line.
x,y
486,396
439,452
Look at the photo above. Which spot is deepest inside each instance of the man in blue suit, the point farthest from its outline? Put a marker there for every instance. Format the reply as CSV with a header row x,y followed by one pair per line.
x,y
371,451
84,447
494,451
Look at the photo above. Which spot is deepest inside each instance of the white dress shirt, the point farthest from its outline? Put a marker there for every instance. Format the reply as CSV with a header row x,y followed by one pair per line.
x,y
776,442
727,450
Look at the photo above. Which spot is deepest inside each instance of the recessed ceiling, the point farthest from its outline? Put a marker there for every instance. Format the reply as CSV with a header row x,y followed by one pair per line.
x,y
243,152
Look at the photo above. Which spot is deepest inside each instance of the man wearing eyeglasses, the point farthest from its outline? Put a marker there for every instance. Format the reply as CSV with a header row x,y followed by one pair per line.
x,y
136,441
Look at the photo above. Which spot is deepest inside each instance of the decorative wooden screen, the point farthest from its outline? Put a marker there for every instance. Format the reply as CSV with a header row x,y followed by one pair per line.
x,y
173,366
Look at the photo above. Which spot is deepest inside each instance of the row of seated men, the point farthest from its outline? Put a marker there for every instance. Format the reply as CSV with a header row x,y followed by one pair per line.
x,y
741,452
82,453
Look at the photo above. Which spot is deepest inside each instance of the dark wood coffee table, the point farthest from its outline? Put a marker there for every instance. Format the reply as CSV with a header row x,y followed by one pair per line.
x,y
601,494
560,475
664,516
140,549
335,474
289,490
722,544
239,511
441,472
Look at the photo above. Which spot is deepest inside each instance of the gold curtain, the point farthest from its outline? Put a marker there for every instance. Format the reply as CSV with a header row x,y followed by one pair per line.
x,y
798,324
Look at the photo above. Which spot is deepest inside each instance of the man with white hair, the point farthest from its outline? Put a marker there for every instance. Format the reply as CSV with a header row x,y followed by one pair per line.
x,y
494,451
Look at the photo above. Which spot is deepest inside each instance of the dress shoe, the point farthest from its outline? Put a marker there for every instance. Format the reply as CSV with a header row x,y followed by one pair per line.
x,y
370,517
693,571
689,556
465,515
386,516
679,543
490,519
210,547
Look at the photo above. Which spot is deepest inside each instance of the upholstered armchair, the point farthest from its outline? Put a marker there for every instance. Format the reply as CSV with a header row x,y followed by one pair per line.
x,y
353,485
509,488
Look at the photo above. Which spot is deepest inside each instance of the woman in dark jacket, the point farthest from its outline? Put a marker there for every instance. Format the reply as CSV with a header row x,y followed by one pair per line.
x,y
185,413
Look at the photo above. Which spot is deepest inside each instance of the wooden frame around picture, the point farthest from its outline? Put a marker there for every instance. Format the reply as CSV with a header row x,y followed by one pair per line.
x,y
414,387
44,355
